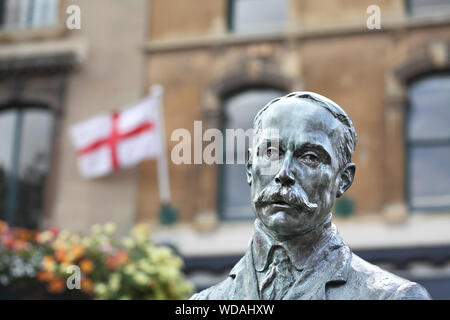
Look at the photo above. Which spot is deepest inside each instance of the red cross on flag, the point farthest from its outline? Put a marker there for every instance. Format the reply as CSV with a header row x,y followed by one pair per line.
x,y
120,139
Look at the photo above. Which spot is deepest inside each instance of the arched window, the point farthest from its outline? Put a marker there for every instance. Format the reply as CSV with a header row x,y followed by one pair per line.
x,y
239,111
25,147
428,134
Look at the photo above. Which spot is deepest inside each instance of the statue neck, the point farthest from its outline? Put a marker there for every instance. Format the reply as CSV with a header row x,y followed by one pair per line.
x,y
307,238
298,247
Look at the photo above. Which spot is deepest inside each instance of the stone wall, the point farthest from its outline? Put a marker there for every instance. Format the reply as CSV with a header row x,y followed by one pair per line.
x,y
328,49
110,78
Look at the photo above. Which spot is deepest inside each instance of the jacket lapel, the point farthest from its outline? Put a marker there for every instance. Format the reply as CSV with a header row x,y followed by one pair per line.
x,y
245,284
329,265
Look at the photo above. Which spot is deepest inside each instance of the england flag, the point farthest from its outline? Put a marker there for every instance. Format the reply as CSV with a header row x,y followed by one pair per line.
x,y
121,139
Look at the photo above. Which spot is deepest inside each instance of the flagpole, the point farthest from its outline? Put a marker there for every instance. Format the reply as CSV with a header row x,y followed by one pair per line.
x,y
167,212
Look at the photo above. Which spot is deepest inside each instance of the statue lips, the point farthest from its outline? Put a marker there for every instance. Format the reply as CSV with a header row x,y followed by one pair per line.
x,y
278,206
281,204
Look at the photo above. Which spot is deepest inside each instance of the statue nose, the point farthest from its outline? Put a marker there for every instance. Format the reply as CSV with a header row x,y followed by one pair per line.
x,y
285,176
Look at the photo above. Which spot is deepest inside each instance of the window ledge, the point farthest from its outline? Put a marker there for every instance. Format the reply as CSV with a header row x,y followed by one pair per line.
x,y
365,232
20,35
226,39
43,54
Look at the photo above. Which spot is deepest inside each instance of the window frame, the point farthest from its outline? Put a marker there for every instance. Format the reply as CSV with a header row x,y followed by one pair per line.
x,y
430,142
21,107
422,15
45,32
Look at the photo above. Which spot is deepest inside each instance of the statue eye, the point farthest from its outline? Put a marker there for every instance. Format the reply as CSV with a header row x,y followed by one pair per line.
x,y
271,153
311,159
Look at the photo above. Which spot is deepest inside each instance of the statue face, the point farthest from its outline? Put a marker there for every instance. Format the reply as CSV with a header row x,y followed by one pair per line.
x,y
300,192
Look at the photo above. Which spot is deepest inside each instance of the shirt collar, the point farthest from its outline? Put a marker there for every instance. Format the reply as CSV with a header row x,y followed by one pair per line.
x,y
299,249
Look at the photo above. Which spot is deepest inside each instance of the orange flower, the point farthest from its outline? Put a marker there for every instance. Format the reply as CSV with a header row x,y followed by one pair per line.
x,y
3,227
87,285
111,262
86,266
56,285
48,262
117,259
60,255
122,257
77,251
20,244
25,234
45,275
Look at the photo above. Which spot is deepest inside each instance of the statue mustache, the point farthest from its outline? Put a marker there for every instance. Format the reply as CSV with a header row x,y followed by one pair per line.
x,y
295,197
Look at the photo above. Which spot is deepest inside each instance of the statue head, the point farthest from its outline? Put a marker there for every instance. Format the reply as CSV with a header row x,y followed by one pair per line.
x,y
299,162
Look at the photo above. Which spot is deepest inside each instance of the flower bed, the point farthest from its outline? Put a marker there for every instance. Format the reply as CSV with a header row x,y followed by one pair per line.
x,y
47,264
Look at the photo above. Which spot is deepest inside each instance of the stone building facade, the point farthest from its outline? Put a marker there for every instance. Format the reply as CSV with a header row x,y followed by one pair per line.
x,y
56,77
320,46
210,57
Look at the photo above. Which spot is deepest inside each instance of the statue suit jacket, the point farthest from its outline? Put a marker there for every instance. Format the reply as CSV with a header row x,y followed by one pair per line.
x,y
333,272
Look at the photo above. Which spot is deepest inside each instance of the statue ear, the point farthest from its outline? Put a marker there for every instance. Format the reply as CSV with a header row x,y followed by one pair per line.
x,y
248,166
346,178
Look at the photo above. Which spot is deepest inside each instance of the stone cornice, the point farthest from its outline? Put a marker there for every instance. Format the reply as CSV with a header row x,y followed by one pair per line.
x,y
228,39
42,57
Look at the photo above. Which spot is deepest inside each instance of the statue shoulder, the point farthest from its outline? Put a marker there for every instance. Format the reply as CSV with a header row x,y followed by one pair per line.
x,y
216,292
410,291
381,284
224,289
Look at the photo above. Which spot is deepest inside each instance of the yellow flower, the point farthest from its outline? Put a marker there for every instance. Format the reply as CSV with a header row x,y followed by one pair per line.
x,y
130,269
141,232
64,235
110,228
114,281
141,278
96,229
44,237
63,267
75,238
128,242
49,263
146,266
101,289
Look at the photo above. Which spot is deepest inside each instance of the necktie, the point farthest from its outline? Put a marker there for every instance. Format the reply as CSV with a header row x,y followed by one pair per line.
x,y
278,278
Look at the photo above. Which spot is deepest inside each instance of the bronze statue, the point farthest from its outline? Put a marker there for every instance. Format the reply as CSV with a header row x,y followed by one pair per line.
x,y
296,251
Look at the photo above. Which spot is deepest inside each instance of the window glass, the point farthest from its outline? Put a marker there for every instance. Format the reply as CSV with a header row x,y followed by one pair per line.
x,y
34,162
428,136
429,8
430,166
23,14
250,16
7,122
240,110
25,146
430,111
